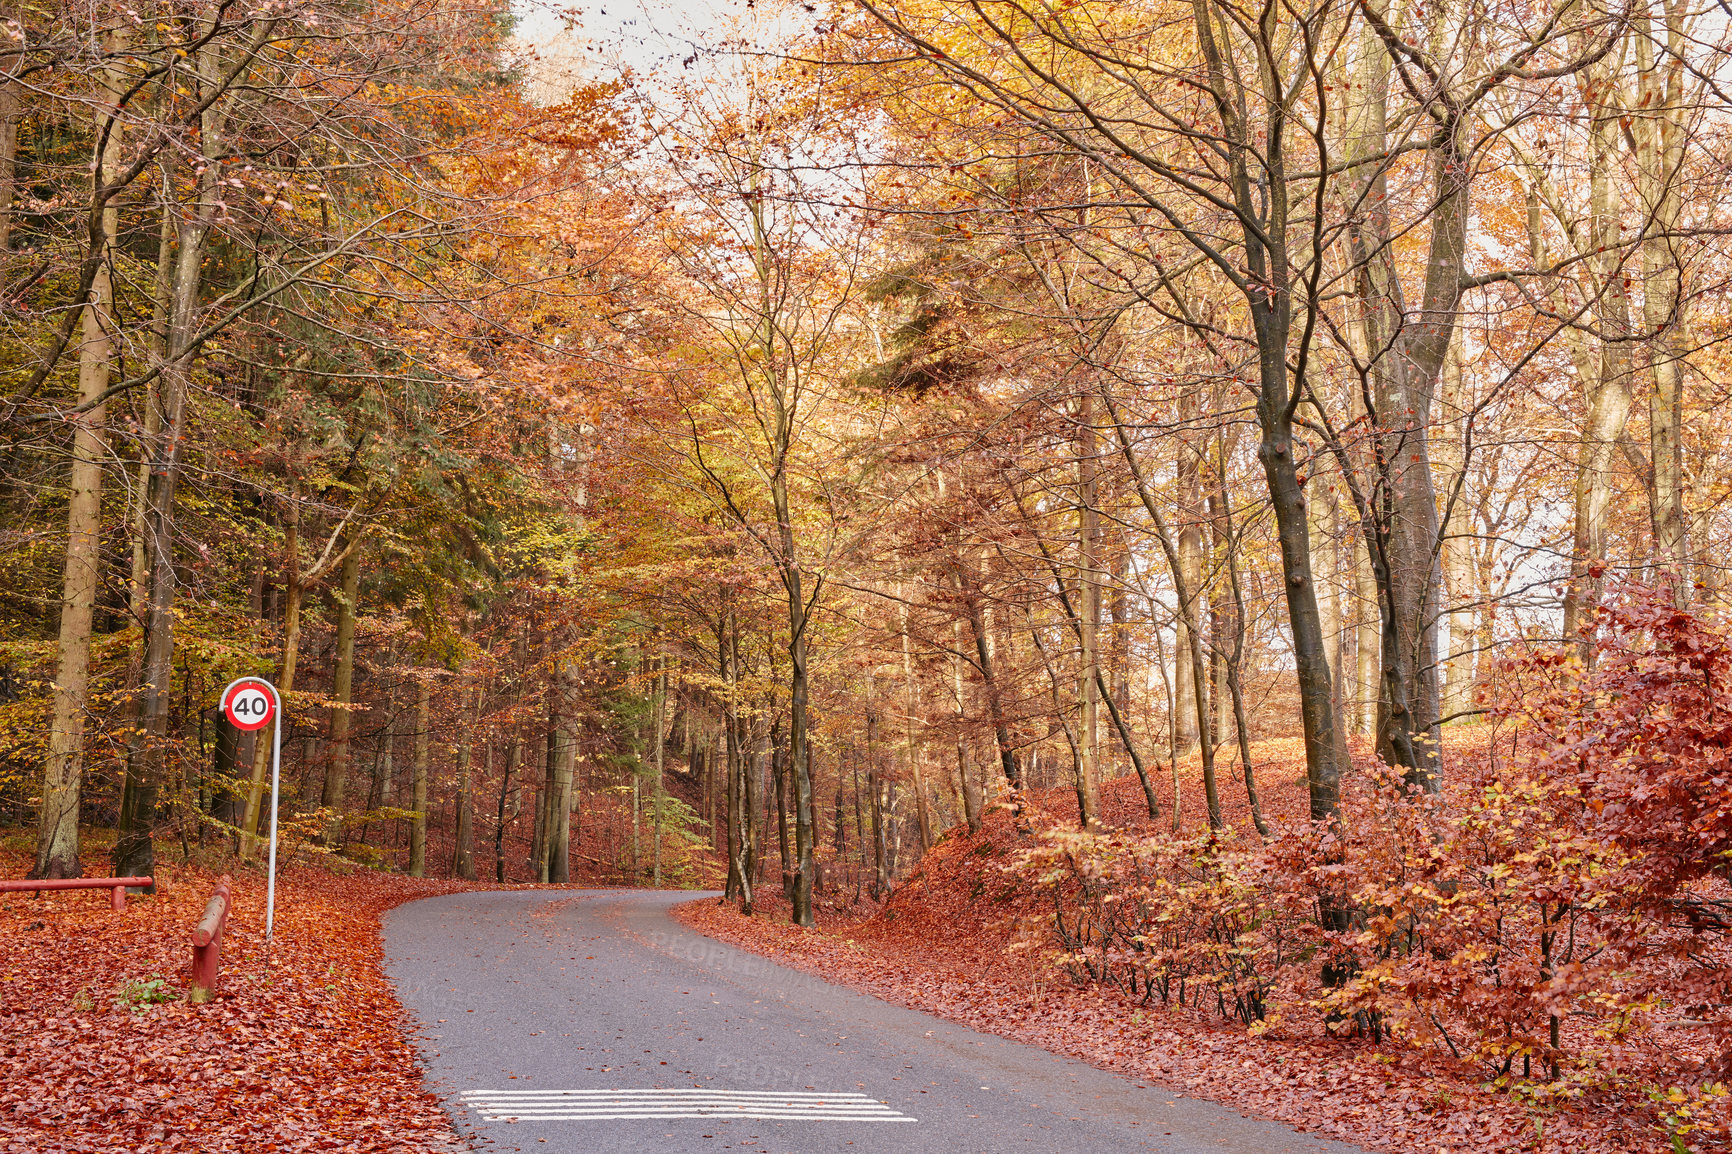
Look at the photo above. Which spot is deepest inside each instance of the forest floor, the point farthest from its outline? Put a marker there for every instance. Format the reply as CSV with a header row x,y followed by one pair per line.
x,y
946,942
100,1051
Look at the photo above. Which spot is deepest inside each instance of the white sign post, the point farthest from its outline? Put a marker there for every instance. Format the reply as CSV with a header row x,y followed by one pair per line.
x,y
250,704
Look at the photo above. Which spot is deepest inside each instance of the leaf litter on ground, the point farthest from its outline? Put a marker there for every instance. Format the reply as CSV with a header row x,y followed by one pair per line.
x,y
947,942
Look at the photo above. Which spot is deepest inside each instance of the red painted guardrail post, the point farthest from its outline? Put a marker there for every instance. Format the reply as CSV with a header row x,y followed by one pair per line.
x,y
119,886
207,944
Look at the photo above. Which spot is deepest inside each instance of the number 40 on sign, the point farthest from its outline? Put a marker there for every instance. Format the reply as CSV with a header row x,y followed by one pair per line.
x,y
250,704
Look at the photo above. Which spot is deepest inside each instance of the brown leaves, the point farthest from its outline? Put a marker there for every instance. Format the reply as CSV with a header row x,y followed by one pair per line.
x,y
948,943
311,1056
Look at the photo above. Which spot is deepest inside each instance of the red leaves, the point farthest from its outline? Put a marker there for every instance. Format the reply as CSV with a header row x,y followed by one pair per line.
x,y
1471,921
1645,737
311,1057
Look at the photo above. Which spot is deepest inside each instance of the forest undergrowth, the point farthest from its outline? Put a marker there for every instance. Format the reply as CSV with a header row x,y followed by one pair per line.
x,y
1532,960
955,941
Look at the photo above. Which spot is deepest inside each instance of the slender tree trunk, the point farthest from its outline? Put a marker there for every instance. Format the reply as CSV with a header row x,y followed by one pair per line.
x,y
161,305
342,692
659,720
1168,685
1089,580
875,789
914,767
970,594
1457,544
734,887
463,848
779,765
804,834
387,784
545,802
418,786
748,790
1235,665
1367,643
1193,700
971,799
9,110
511,766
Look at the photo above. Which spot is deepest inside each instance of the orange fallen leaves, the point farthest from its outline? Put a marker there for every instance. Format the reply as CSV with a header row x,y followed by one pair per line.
x,y
943,945
311,1056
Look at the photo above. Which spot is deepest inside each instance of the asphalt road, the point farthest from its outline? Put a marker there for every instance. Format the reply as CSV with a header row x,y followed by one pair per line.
x,y
571,1022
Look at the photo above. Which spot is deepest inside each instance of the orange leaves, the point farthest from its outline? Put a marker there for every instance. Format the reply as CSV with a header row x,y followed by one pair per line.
x,y
1472,919
310,1055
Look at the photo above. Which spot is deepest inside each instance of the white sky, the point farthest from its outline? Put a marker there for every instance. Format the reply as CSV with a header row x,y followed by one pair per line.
x,y
593,38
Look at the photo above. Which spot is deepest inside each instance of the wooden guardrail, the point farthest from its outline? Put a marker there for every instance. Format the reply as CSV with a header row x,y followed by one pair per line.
x,y
119,886
207,944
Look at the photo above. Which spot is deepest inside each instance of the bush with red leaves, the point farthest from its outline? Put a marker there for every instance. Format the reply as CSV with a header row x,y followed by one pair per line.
x,y
1555,923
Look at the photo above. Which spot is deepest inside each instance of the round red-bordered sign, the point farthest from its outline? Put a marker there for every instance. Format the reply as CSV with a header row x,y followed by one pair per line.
x,y
249,704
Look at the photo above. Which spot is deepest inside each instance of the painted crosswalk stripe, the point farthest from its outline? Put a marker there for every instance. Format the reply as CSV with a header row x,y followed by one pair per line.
x,y
602,1105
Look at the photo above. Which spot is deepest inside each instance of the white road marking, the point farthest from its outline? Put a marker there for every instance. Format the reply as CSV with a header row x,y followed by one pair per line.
x,y
601,1105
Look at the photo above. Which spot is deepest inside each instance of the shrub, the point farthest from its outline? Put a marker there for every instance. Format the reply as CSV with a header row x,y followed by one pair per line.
x,y
1555,921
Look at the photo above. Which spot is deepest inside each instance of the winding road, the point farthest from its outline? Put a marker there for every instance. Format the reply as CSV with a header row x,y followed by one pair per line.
x,y
578,1021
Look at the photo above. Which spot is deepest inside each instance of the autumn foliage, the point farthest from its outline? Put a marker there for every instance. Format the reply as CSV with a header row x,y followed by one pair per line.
x,y
99,1049
1545,935
1552,923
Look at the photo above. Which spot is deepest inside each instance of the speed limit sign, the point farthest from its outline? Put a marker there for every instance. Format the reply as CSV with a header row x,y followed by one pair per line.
x,y
249,704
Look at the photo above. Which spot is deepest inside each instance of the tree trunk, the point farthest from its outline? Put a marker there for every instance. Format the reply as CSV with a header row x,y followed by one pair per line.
x,y
538,830
134,853
1609,388
511,767
1193,699
971,800
659,720
57,826
387,771
738,883
914,768
544,797
161,305
418,786
1234,674
875,792
1367,641
1660,136
749,799
779,767
1089,580
970,592
463,848
798,694
1457,545
563,772
9,108
342,692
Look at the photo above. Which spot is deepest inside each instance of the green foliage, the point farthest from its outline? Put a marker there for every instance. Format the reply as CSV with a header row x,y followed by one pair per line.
x,y
683,837
141,995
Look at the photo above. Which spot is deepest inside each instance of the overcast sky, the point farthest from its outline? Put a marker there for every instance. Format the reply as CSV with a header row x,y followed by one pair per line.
x,y
648,36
